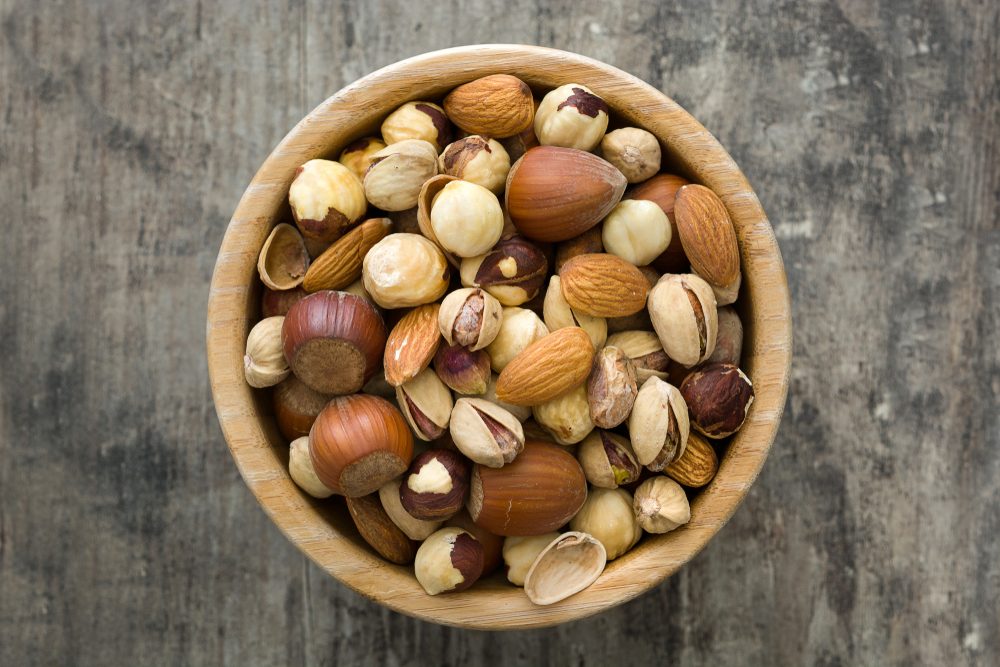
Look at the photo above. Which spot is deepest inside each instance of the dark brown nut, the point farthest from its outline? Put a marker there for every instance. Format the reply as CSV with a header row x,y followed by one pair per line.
x,y
585,244
492,544
418,120
608,460
448,561
426,403
729,341
513,271
571,116
470,317
658,424
464,371
634,151
326,198
485,432
611,388
718,397
435,486
357,155
644,350
275,302
379,531
296,407
478,160
684,315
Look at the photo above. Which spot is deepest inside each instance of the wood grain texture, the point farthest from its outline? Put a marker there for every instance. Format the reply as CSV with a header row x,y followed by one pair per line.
x,y
868,129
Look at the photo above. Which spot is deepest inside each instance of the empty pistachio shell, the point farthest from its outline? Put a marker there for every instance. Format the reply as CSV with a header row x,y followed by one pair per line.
x,y
569,564
283,260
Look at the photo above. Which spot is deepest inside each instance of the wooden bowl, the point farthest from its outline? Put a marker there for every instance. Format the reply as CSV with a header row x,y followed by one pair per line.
x,y
322,530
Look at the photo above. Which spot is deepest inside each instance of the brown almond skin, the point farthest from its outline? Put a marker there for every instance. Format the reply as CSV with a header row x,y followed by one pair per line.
x,y
697,465
538,492
296,407
547,368
333,341
492,544
340,264
662,190
603,285
717,398
707,234
411,344
379,531
358,443
499,105
437,506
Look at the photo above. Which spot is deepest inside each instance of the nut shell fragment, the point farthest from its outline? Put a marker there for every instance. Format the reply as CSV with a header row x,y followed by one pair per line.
x,y
283,260
568,565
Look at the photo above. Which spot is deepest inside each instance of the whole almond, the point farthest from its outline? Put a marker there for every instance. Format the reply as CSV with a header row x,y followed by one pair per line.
x,y
707,234
411,344
340,264
603,285
495,106
697,465
547,368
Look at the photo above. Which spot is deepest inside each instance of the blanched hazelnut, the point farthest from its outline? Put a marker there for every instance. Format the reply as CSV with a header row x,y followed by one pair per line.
x,y
435,486
264,363
300,468
608,516
450,560
404,270
571,116
357,155
397,173
519,328
634,151
519,554
470,317
326,197
418,120
478,160
660,505
466,218
558,315
513,271
637,230
566,418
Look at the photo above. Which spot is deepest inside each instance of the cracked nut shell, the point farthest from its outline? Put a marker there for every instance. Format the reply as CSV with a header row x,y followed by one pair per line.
x,y
611,387
684,316
608,460
470,317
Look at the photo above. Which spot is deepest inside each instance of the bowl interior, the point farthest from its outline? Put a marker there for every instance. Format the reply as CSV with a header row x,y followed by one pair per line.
x,y
322,529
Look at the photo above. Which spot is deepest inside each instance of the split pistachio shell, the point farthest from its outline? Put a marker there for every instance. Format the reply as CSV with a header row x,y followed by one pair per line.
x,y
682,307
568,565
519,554
608,460
558,315
660,505
264,363
283,260
470,317
566,418
658,425
645,351
426,403
485,432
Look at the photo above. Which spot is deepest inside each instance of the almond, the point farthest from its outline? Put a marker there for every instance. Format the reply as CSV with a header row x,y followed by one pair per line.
x,y
547,368
340,264
697,465
707,234
603,285
495,106
412,344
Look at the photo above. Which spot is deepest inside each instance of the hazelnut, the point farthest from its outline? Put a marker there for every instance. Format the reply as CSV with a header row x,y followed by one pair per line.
x,y
418,120
587,243
611,387
426,403
415,529
558,315
357,155
571,116
662,189
660,505
520,412
608,460
478,160
729,340
513,271
405,270
470,317
296,407
397,173
435,486
607,515
566,418
485,432
634,151
519,554
718,397
379,386
277,302
357,288
519,144
466,218
492,544
684,315
301,470
448,561
264,363
636,230
645,352
519,328
326,198
569,564
464,371
284,260
658,424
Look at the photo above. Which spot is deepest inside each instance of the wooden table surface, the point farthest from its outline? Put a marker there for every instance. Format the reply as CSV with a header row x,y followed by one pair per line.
x,y
870,131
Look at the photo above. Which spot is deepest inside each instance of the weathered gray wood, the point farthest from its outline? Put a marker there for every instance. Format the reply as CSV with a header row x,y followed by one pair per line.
x,y
870,133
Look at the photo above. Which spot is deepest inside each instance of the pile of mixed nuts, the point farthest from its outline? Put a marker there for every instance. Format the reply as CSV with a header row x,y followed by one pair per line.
x,y
557,341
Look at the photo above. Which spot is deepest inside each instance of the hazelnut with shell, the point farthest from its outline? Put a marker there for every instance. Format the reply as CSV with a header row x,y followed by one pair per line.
x,y
397,173
436,484
660,505
405,270
718,397
418,120
357,155
608,516
519,328
478,160
558,315
519,553
566,418
470,317
485,432
635,152
658,424
415,529
296,407
513,271
300,468
571,116
637,230
644,350
608,460
378,530
448,561
325,197
264,363
466,218
426,403
682,308
611,387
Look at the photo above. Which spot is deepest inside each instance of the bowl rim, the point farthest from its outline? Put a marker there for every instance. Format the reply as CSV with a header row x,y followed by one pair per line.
x,y
346,115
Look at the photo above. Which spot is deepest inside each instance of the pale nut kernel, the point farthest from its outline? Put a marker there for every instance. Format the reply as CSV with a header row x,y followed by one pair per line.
x,y
611,387
404,270
634,151
637,230
450,560
608,516
729,341
264,363
558,314
571,116
470,317
397,173
644,350
608,460
519,328
485,432
466,218
566,418
301,470
415,529
325,197
478,160
521,412
658,425
426,403
418,120
519,554
513,271
357,155
661,505
682,307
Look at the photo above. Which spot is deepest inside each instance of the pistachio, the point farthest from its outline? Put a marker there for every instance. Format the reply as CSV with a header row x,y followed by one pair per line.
x,y
558,315
566,418
658,424
566,566
264,363
513,271
415,529
301,470
463,370
611,388
682,307
660,505
426,403
485,432
470,317
608,460
397,173
644,350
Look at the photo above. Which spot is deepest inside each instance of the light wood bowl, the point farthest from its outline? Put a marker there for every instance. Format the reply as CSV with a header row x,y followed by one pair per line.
x,y
322,530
